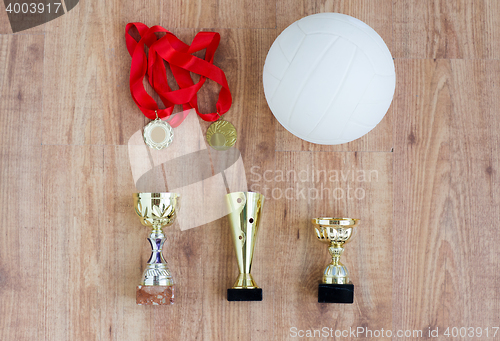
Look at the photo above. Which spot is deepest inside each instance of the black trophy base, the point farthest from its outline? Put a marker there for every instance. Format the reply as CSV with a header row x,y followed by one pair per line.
x,y
244,295
336,293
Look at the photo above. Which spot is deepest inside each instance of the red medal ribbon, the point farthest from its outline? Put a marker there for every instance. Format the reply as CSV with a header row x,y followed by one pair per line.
x,y
182,62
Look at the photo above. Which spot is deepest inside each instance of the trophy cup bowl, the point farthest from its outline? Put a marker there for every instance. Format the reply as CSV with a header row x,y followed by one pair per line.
x,y
156,210
244,209
335,287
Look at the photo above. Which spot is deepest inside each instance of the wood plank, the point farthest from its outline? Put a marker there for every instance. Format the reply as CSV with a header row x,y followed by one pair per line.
x,y
4,23
189,14
491,47
20,247
247,13
207,250
446,29
422,203
377,14
428,218
184,250
91,260
86,77
446,173
124,252
21,81
309,185
72,209
218,14
118,117
256,142
70,67
472,295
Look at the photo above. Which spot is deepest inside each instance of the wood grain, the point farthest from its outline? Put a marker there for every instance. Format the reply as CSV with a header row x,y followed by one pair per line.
x,y
70,260
422,208
20,248
474,177
70,86
189,14
467,29
84,51
357,185
425,254
4,23
118,117
443,179
376,13
256,142
203,306
21,81
219,13
247,13
123,253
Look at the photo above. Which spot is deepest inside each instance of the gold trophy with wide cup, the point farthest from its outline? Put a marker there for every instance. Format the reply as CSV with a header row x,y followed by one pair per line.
x,y
156,210
336,286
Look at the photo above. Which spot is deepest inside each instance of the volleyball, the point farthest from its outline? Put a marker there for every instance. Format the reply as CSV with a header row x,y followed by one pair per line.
x,y
329,78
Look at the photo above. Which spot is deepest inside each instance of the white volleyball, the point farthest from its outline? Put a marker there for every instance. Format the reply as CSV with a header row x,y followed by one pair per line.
x,y
329,78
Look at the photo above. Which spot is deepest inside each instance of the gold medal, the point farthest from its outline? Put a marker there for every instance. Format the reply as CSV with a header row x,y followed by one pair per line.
x,y
158,134
221,135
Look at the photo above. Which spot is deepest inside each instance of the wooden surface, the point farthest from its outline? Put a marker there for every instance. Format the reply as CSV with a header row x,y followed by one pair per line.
x,y
424,256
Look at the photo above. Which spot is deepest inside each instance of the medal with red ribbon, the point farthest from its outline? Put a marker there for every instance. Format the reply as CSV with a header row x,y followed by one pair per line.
x,y
158,134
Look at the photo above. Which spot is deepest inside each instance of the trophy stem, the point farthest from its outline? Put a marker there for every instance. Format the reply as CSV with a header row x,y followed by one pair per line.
x,y
245,281
336,251
157,272
336,272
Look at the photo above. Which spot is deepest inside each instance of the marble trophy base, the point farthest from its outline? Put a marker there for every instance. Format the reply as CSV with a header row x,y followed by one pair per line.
x,y
155,294
244,294
336,293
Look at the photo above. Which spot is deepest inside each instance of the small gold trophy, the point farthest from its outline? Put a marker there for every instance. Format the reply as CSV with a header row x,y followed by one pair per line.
x,y
156,210
336,287
245,209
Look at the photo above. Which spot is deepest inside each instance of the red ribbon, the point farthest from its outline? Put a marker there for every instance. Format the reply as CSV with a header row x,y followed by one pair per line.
x,y
180,57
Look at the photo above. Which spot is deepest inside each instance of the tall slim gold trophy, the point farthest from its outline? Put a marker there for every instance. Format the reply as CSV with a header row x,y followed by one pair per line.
x,y
336,287
156,210
245,209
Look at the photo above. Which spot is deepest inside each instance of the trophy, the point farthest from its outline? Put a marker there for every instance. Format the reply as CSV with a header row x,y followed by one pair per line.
x,y
156,210
336,286
244,209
